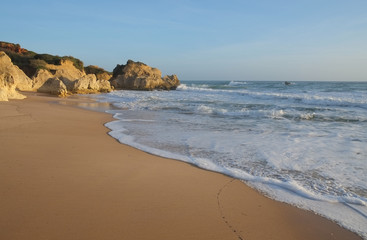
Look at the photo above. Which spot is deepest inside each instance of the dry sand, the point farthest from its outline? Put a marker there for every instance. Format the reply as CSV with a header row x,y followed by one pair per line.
x,y
63,177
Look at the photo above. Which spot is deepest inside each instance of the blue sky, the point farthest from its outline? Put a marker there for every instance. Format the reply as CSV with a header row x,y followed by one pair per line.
x,y
201,40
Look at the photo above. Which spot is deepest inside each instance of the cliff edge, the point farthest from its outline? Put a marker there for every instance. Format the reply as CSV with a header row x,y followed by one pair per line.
x,y
24,70
28,71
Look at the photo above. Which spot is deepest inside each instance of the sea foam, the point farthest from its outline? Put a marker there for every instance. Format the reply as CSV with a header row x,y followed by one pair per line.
x,y
305,144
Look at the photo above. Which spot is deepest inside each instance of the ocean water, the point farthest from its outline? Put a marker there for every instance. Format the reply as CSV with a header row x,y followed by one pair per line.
x,y
303,143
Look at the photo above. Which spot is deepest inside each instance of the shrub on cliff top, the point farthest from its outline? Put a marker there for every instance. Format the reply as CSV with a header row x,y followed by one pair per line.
x,y
56,60
38,64
95,70
26,60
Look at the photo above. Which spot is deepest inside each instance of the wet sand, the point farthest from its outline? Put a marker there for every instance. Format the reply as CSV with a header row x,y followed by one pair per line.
x,y
63,177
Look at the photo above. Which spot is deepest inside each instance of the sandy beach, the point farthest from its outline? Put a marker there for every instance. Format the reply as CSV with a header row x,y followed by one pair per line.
x,y
63,177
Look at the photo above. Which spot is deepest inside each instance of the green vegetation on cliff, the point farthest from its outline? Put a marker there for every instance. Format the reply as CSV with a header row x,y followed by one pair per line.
x,y
95,70
30,61
56,60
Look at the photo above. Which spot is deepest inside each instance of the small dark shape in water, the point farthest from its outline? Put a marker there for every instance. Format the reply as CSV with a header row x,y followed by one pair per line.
x,y
287,83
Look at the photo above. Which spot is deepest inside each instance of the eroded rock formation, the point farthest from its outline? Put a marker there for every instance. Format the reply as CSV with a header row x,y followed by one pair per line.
x,y
90,84
73,79
48,73
11,78
25,70
61,80
139,76
54,86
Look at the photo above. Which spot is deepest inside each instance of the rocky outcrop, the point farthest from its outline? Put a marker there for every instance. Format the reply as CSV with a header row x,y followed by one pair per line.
x,y
7,88
61,80
73,80
12,78
22,81
139,76
40,77
85,83
90,84
56,79
171,80
65,71
54,86
25,70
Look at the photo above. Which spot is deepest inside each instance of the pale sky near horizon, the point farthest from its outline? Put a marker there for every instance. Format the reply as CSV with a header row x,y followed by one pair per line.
x,y
201,40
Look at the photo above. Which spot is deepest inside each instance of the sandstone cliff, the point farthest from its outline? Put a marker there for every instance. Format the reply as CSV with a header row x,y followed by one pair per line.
x,y
54,86
11,78
61,80
28,71
25,70
139,76
73,80
90,84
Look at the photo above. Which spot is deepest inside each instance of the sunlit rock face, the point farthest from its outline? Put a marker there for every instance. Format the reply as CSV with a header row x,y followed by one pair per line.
x,y
139,76
12,78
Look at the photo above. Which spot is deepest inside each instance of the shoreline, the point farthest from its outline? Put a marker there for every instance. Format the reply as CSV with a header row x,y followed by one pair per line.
x,y
64,177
